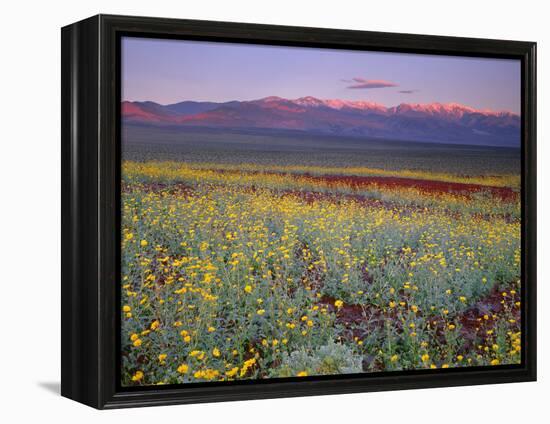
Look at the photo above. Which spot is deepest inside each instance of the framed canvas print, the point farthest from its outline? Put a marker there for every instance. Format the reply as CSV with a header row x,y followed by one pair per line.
x,y
256,211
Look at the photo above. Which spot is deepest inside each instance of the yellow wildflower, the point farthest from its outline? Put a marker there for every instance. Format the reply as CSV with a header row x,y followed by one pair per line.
x,y
232,372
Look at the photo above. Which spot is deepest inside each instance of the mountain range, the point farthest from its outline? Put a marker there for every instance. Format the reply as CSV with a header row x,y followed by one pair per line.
x,y
433,122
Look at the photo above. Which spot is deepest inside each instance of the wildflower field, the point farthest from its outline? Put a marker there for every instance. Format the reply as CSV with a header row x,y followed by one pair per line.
x,y
237,271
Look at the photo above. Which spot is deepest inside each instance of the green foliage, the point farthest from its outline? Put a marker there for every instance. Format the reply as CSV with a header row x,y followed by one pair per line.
x,y
330,359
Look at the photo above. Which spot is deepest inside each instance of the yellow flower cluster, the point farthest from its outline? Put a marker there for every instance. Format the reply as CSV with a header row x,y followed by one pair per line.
x,y
227,273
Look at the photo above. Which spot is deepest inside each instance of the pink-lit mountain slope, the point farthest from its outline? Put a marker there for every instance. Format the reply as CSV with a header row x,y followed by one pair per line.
x,y
434,122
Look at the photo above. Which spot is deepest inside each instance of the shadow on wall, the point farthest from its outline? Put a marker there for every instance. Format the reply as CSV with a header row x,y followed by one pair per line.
x,y
51,386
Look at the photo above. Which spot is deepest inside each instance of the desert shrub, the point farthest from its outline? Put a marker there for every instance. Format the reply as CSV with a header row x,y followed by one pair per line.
x,y
332,358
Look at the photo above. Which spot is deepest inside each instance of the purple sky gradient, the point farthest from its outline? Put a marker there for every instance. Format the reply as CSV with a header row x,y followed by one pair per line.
x,y
169,71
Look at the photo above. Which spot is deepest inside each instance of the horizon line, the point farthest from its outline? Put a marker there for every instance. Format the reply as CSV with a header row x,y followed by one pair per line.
x,y
493,111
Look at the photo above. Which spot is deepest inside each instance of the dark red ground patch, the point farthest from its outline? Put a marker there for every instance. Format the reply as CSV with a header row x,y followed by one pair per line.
x,y
428,186
310,197
473,320
477,323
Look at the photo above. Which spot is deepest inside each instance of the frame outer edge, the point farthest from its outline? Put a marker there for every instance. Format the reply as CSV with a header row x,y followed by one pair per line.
x,y
80,307
89,191
531,205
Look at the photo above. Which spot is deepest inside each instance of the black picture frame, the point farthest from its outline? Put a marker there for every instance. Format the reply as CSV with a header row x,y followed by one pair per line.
x,y
90,209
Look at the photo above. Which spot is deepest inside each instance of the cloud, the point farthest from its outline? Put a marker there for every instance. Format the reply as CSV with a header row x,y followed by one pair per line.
x,y
362,83
407,91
